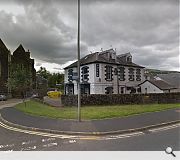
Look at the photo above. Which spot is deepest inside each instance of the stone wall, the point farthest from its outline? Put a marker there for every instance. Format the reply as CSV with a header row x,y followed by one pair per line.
x,y
97,99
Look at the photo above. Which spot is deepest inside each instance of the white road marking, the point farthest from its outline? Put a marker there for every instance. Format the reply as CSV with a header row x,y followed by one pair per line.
x,y
72,141
50,145
48,139
164,128
125,135
6,146
28,148
28,142
8,151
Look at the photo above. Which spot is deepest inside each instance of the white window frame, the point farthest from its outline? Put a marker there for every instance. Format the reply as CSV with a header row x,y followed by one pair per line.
x,y
109,73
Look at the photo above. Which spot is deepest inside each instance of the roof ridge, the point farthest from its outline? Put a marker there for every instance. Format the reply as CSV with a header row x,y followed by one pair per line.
x,y
2,44
20,48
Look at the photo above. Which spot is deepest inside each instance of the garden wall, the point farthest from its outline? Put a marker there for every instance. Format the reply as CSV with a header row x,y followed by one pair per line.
x,y
97,99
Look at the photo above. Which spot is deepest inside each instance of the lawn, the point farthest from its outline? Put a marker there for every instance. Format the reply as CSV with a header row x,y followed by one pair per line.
x,y
91,112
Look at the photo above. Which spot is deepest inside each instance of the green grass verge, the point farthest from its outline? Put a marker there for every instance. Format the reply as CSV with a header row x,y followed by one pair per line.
x,y
91,112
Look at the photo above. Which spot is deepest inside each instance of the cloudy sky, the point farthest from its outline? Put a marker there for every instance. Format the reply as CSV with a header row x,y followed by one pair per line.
x,y
149,29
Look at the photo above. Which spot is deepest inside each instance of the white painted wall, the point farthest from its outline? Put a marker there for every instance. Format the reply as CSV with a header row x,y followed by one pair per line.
x,y
150,88
98,84
66,74
103,84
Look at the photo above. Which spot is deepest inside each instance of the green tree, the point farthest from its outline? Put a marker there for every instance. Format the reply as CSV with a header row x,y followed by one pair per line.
x,y
44,73
19,79
53,78
56,80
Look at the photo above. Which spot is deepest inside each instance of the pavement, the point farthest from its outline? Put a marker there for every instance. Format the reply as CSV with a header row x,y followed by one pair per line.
x,y
9,103
52,101
13,117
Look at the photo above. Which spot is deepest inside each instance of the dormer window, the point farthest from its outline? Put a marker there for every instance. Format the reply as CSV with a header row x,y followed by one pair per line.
x,y
129,59
112,56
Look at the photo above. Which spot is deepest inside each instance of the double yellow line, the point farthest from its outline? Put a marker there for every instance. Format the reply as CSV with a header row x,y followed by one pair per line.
x,y
80,137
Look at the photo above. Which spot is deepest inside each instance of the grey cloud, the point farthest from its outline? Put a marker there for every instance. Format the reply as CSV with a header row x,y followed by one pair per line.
x,y
167,59
88,1
148,29
140,25
48,39
152,26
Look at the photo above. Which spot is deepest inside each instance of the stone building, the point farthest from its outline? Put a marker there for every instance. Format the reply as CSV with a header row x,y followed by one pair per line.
x,y
19,57
5,57
22,58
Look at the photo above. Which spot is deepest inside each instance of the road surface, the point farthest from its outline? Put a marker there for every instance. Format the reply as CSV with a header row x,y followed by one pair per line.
x,y
152,140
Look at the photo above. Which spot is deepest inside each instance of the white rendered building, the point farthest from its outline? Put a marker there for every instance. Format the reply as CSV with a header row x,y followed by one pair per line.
x,y
105,73
156,86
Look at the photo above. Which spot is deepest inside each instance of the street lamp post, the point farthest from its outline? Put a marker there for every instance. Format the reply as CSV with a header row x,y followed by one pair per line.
x,y
78,64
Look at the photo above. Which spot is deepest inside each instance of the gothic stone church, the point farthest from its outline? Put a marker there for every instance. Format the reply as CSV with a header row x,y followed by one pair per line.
x,y
19,57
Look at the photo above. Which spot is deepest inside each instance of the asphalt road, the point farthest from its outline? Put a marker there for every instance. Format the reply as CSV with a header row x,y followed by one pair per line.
x,y
155,140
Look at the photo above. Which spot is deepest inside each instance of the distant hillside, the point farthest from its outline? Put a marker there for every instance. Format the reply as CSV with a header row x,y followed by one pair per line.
x,y
156,71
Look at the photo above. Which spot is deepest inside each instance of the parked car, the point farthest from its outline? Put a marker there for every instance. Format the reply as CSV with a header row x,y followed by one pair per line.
x,y
54,94
3,97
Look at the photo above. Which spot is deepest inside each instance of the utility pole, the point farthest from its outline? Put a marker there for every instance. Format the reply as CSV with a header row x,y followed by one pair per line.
x,y
9,72
78,65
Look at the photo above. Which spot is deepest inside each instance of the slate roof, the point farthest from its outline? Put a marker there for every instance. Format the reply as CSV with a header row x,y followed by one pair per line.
x,y
160,84
2,45
101,57
171,78
20,49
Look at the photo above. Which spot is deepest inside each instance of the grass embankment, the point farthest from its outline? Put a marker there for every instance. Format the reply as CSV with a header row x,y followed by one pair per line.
x,y
91,112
